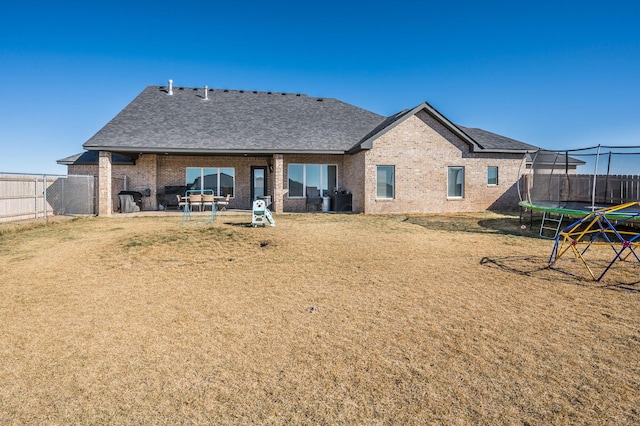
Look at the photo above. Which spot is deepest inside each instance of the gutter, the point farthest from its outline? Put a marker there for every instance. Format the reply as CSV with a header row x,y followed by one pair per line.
x,y
235,152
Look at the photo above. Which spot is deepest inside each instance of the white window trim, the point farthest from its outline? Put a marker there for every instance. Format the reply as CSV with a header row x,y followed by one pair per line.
x,y
393,196
497,176
456,197
217,176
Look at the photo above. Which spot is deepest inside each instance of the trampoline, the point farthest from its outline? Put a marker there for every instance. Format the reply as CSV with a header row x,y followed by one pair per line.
x,y
601,187
577,182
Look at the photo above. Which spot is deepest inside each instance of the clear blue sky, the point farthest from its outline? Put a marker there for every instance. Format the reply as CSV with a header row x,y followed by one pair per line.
x,y
557,74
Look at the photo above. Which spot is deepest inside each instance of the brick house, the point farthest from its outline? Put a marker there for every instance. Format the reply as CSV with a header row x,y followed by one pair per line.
x,y
250,144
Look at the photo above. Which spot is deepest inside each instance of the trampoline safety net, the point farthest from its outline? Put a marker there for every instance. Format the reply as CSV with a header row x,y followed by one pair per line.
x,y
575,179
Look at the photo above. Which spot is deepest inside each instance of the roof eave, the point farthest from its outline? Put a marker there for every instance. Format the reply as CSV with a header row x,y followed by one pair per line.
x,y
193,151
505,151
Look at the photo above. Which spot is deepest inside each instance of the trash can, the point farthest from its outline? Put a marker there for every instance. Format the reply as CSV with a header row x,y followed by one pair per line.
x,y
326,203
341,202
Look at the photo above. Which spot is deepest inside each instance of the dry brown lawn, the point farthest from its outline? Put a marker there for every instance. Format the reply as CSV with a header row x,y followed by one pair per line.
x,y
324,319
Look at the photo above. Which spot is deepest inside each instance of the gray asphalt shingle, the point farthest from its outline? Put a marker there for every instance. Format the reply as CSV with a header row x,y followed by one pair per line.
x,y
232,120
494,141
252,122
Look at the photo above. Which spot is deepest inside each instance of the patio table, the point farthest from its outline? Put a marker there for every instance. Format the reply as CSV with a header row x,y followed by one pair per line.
x,y
187,216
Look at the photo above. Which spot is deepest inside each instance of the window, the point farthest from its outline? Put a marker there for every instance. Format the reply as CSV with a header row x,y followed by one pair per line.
x,y
385,182
322,176
221,180
296,180
455,182
492,175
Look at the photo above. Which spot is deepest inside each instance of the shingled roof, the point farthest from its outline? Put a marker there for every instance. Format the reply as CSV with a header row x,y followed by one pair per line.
x,y
478,140
492,141
91,157
218,121
233,121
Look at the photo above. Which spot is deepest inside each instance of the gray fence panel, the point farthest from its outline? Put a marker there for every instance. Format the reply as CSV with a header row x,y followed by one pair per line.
x,y
25,196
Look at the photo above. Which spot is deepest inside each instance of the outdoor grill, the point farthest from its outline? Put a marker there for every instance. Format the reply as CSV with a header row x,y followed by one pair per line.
x,y
169,198
127,207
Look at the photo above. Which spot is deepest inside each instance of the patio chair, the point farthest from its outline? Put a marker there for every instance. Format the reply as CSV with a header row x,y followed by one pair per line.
x,y
313,198
182,202
195,200
207,200
222,204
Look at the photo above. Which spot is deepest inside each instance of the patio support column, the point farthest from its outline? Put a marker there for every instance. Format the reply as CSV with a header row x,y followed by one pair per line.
x,y
278,183
105,203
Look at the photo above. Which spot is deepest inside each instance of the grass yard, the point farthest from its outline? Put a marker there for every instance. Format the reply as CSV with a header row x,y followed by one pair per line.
x,y
324,319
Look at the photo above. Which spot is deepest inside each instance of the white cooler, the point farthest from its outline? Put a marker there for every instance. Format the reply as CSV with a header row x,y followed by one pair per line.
x,y
326,204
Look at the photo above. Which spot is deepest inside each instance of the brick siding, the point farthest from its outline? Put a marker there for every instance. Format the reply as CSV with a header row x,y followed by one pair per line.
x,y
171,171
421,149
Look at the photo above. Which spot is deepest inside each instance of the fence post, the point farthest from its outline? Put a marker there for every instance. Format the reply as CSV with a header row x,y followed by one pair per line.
x,y
35,197
44,196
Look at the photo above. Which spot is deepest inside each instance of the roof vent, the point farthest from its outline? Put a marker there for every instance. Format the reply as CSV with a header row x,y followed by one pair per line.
x,y
206,93
170,88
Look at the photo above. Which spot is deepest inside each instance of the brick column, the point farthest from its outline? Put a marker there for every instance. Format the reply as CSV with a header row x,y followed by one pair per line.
x,y
105,204
153,183
145,176
278,183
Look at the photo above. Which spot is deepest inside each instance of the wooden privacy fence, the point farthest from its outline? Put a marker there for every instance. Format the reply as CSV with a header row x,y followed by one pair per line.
x,y
618,189
610,189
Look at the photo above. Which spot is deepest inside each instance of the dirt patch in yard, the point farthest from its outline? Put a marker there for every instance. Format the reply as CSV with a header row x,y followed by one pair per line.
x,y
323,319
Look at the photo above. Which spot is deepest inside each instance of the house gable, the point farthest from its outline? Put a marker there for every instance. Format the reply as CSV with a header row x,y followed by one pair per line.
x,y
477,139
397,119
421,149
